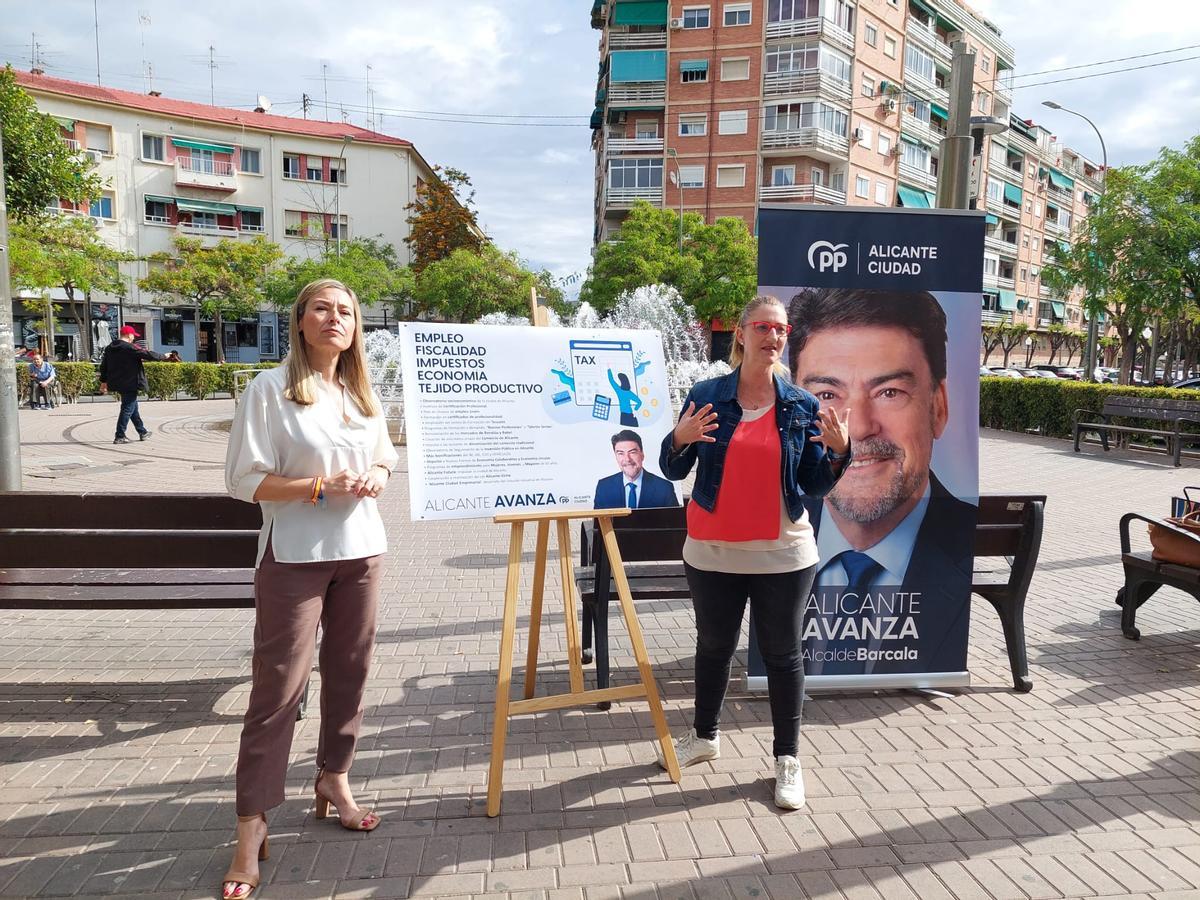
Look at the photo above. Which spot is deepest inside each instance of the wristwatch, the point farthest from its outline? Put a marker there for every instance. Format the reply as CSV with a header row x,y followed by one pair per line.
x,y
837,457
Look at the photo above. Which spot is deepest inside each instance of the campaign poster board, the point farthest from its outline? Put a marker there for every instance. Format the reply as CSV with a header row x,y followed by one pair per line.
x,y
885,307
509,419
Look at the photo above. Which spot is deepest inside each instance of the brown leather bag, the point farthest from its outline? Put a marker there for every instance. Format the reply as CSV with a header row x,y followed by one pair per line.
x,y
1172,547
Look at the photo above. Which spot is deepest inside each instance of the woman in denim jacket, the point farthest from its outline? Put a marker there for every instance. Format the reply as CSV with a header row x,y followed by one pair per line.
x,y
762,444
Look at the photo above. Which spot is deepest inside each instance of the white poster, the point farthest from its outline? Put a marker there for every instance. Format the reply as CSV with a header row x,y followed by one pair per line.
x,y
503,418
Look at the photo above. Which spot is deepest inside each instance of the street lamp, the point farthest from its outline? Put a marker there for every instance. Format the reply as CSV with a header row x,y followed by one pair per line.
x,y
1093,327
337,191
677,180
1028,352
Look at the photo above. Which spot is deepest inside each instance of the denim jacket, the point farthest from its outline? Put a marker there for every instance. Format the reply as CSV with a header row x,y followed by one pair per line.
x,y
807,469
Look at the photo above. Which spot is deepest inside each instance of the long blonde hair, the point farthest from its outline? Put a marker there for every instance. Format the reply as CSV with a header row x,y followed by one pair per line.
x,y
735,351
301,384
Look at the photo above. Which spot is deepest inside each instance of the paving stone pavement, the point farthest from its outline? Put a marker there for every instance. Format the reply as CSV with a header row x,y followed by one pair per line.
x,y
118,730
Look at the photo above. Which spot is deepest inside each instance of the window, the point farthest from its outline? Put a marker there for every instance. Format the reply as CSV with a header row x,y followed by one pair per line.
x,y
204,221
1037,209
291,165
1024,273
915,155
293,225
170,332
646,129
783,176
339,227
313,170
635,173
862,186
885,145
731,176
889,46
1036,243
871,34
918,62
983,102
792,10
102,207
837,180
1024,238
252,220
991,265
695,17
995,190
841,14
157,213
251,161
735,69
817,176
881,193
805,114
337,171
691,176
98,137
808,56
152,148
868,85
247,334
732,121
266,336
737,14
693,126
1027,206
693,74
985,63
1032,170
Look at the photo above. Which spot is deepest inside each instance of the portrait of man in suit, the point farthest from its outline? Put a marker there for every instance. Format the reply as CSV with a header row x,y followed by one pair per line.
x,y
889,526
633,486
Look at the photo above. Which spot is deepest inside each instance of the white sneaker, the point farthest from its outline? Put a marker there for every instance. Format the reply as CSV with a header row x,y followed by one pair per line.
x,y
789,783
691,748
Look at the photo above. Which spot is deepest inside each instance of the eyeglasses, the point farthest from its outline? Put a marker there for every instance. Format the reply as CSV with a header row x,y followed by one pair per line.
x,y
765,328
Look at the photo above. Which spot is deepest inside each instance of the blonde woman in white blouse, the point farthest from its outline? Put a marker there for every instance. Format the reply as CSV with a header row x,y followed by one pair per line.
x,y
310,446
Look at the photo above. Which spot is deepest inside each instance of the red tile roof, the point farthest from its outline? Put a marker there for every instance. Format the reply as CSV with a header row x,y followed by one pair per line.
x,y
184,109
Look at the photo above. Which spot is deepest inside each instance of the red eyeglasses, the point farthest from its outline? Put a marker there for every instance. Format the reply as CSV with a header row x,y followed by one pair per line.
x,y
765,328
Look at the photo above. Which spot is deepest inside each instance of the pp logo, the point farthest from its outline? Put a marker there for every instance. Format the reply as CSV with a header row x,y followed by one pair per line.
x,y
824,255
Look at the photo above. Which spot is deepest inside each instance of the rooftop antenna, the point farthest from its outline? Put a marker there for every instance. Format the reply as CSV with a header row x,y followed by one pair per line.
x,y
325,85
147,69
370,97
212,68
96,20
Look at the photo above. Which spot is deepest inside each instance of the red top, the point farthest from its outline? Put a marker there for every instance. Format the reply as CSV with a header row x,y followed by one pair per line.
x,y
751,489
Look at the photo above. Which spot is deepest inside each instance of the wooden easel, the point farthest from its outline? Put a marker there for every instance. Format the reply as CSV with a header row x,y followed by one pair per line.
x,y
505,707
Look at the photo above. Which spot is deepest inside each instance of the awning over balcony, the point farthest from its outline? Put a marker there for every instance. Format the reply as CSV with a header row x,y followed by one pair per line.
x,y
693,65
1012,194
940,111
992,220
154,198
597,117
601,95
1059,180
1020,126
640,12
1089,198
241,208
68,124
912,198
201,145
1008,301
205,206
1059,307
638,65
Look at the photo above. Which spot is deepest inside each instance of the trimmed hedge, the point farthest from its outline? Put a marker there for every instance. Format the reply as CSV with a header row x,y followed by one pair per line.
x,y
165,379
1048,406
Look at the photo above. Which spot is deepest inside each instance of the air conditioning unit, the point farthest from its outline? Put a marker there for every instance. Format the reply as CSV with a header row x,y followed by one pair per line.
x,y
96,220
896,150
859,134
889,103
94,155
676,24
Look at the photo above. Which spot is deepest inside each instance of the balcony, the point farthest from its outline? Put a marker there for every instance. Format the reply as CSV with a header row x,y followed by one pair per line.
x,y
1000,245
1005,171
637,93
210,174
806,81
817,26
927,39
636,40
911,174
219,231
626,196
1055,228
1002,281
71,144
814,141
1003,90
996,317
1062,195
990,279
617,146
926,88
1044,291
921,129
808,193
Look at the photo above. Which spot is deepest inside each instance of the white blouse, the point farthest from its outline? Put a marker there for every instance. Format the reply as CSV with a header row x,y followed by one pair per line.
x,y
275,436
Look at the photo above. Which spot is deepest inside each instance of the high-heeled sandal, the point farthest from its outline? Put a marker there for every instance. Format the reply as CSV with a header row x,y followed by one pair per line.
x,y
322,804
237,878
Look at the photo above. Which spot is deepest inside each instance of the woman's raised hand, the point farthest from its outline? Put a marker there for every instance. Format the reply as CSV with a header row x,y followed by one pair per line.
x,y
833,430
695,425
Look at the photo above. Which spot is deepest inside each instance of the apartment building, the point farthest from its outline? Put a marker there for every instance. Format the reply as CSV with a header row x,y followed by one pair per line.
x,y
717,107
172,167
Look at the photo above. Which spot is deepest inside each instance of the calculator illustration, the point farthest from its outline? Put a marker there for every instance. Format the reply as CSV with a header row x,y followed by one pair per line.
x,y
591,363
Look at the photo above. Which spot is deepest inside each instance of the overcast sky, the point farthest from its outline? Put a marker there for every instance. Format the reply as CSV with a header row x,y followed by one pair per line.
x,y
537,58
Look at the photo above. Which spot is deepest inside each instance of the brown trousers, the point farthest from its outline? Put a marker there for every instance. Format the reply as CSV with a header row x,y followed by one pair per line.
x,y
291,599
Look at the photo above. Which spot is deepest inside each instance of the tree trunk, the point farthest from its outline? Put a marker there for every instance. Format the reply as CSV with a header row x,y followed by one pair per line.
x,y
987,351
219,336
1128,352
196,318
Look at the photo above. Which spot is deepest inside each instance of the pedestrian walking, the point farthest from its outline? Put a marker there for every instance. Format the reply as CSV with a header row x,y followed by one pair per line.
x,y
121,370
762,444
309,444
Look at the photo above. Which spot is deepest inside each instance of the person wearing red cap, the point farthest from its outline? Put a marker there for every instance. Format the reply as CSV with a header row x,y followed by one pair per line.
x,y
121,370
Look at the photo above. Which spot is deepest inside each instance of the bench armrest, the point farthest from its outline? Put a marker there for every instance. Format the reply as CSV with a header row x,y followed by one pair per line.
x,y
1129,517
1088,412
1183,419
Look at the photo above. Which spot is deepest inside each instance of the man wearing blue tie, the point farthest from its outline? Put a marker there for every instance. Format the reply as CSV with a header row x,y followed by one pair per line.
x,y
633,486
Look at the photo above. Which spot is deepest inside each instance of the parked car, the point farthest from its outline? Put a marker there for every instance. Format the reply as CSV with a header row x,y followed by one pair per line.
x,y
1006,373
1037,373
1187,383
1069,372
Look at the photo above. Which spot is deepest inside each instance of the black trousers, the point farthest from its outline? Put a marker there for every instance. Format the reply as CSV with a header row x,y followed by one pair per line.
x,y
777,602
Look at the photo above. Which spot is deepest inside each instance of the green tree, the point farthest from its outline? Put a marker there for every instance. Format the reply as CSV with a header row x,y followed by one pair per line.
x,y
38,166
222,281
716,273
442,219
466,285
66,252
368,266
1010,336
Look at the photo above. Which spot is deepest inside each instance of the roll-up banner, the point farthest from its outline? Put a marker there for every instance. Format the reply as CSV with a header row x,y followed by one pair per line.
x,y
885,306
504,419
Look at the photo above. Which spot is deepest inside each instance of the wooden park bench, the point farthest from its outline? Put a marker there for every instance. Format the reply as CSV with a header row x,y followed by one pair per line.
x,y
127,551
1144,574
1008,538
1154,411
